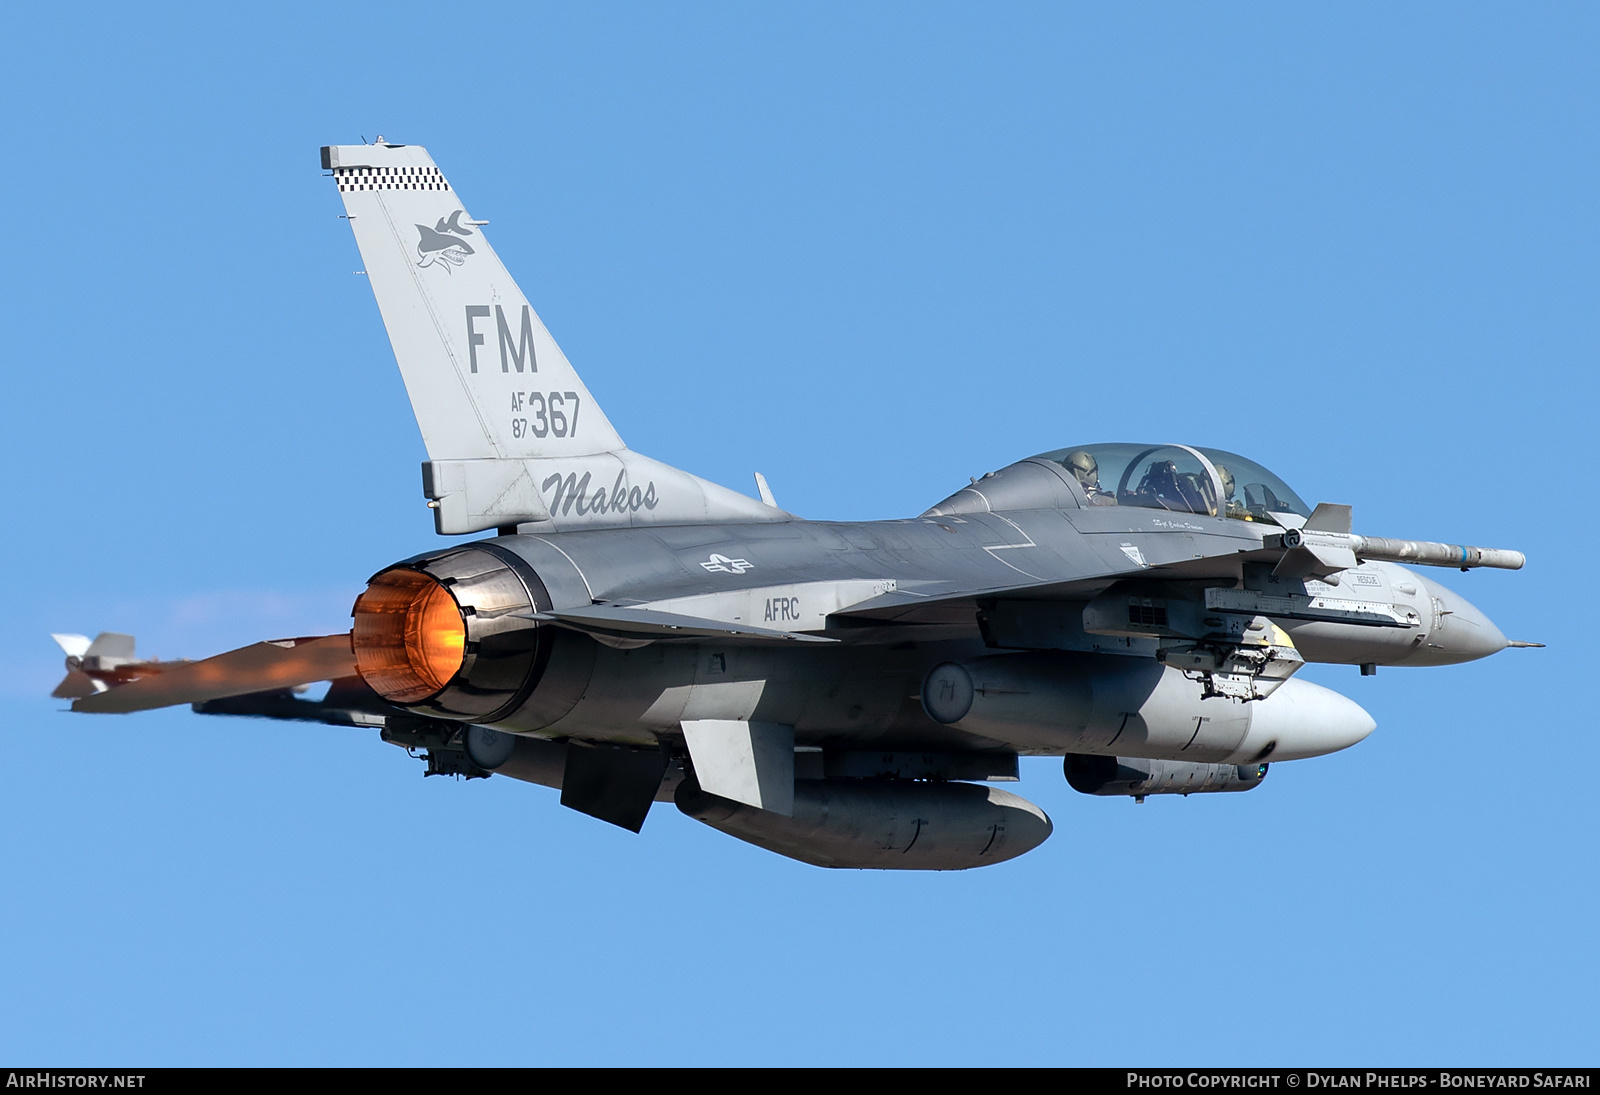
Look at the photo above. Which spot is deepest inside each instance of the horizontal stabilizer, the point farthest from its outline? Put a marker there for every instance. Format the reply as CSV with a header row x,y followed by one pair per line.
x,y
282,663
348,702
650,625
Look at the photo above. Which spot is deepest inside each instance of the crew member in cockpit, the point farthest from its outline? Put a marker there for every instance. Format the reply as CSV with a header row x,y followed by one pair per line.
x,y
1086,470
1231,506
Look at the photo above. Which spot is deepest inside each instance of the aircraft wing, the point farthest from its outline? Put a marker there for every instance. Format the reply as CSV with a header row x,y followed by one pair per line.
x,y
952,602
1322,548
619,622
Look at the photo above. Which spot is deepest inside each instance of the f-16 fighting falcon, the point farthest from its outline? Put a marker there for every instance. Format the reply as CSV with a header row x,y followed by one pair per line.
x,y
846,694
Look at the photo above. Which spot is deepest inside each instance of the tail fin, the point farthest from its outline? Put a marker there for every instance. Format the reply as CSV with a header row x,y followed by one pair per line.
x,y
76,683
512,433
110,649
470,347
74,646
91,665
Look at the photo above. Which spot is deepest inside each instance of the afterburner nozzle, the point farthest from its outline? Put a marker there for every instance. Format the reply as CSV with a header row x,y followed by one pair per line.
x,y
408,635
451,634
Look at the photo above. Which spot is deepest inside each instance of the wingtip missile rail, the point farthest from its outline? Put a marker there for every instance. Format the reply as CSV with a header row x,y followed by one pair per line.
x,y
1416,552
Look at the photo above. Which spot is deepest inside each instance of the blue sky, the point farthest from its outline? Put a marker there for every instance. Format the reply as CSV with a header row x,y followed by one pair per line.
x,y
868,250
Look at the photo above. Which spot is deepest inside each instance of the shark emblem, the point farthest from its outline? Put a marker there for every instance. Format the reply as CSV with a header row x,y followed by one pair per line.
x,y
441,245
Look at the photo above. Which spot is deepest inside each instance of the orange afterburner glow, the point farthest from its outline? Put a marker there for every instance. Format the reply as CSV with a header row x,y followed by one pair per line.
x,y
408,636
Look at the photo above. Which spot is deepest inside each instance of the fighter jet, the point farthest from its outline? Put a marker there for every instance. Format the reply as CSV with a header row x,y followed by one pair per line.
x,y
845,694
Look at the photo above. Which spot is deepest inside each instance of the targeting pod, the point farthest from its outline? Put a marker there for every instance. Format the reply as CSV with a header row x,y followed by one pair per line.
x,y
1093,775
1061,702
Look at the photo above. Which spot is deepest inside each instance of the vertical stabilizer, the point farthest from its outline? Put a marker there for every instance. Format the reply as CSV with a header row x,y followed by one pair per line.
x,y
513,436
486,380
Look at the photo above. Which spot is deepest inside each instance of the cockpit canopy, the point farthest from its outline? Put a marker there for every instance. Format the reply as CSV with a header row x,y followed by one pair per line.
x,y
1177,478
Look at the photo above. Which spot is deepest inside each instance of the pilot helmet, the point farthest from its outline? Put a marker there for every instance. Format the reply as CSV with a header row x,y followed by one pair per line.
x,y
1082,465
1227,480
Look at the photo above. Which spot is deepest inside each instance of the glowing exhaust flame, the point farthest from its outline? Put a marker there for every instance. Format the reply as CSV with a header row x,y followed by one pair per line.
x,y
408,636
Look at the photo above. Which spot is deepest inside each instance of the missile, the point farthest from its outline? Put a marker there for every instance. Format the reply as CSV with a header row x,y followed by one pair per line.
x,y
1333,546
